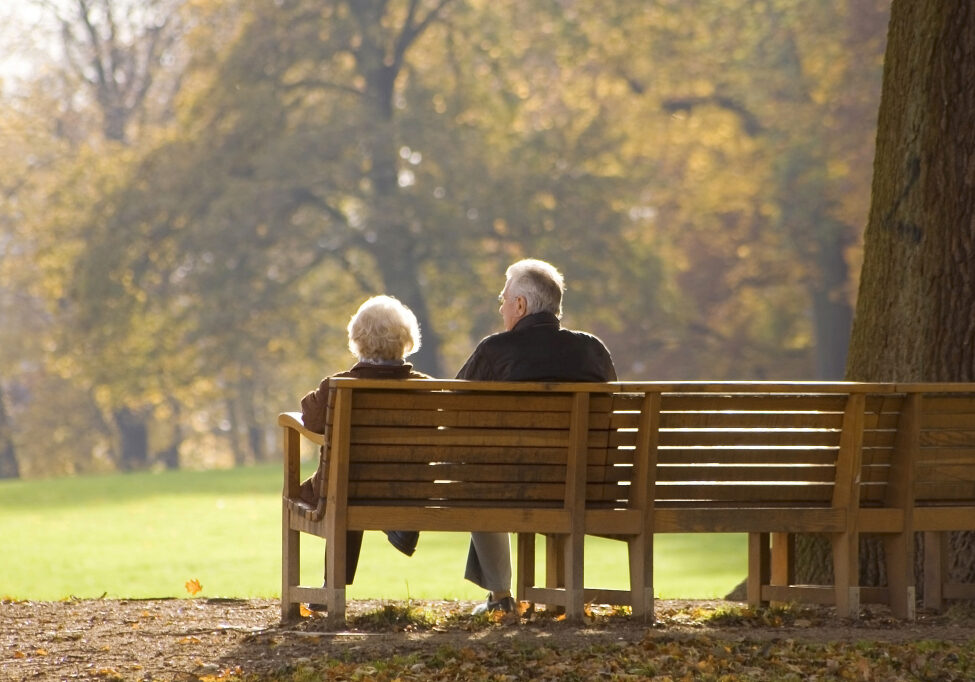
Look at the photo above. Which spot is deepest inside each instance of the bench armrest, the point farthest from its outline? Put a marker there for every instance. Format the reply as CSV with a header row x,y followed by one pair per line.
x,y
294,430
293,420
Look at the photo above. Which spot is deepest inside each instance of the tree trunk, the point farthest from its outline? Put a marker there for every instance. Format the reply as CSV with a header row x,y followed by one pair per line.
x,y
133,440
254,422
170,456
237,445
393,238
9,467
914,316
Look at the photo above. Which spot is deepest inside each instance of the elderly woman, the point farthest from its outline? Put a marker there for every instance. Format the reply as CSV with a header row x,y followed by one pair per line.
x,y
381,334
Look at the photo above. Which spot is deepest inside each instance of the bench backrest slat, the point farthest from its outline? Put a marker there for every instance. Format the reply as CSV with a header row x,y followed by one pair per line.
x,y
945,466
944,471
727,449
439,448
882,415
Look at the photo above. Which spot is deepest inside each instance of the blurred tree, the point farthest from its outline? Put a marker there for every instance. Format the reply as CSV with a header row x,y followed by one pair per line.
x,y
683,163
771,107
108,88
116,50
9,466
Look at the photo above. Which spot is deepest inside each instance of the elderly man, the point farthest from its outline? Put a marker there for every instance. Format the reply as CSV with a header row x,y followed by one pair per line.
x,y
533,347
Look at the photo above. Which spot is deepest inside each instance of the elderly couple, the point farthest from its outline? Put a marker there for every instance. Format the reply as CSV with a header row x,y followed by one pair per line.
x,y
533,347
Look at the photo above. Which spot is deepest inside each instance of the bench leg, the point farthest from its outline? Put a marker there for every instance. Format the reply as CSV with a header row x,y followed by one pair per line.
x,y
759,567
640,550
555,566
525,573
846,556
935,568
335,551
575,597
290,556
783,557
899,562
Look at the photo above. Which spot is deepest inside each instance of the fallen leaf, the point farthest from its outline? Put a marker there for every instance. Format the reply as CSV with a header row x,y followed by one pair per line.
x,y
193,586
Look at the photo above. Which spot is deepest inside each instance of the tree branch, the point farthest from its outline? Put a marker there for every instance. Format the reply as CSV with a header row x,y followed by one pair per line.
x,y
749,121
412,31
324,85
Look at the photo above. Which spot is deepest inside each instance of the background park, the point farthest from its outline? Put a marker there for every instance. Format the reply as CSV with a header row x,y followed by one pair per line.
x,y
196,194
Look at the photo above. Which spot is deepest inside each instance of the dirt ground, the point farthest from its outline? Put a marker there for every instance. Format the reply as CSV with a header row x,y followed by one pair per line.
x,y
194,639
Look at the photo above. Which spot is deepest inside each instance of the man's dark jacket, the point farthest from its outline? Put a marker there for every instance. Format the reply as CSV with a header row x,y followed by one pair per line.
x,y
539,349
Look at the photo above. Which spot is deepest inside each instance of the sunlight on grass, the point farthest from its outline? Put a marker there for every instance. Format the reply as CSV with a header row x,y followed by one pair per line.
x,y
146,535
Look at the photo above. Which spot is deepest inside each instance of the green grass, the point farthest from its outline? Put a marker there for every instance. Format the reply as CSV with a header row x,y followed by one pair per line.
x,y
145,535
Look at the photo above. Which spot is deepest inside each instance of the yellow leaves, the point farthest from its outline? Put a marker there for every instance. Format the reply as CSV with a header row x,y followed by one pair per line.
x,y
225,674
193,586
305,611
20,655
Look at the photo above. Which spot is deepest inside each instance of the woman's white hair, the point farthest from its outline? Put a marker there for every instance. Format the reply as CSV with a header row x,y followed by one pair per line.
x,y
383,329
539,283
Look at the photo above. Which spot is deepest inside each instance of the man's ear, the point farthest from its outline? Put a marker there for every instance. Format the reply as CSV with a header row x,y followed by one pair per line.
x,y
521,306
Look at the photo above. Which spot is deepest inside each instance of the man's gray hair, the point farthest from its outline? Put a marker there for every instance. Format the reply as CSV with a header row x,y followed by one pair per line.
x,y
540,284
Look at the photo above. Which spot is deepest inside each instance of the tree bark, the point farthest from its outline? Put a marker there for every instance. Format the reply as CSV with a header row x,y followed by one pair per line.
x,y
914,317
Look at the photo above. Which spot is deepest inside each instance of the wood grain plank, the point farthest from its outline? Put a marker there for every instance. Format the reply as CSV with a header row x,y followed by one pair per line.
x,y
514,419
444,471
449,492
735,474
498,401
749,438
379,435
755,403
769,455
752,520
743,493
500,454
751,420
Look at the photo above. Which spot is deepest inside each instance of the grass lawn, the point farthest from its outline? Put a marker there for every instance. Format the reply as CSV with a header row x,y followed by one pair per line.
x,y
145,535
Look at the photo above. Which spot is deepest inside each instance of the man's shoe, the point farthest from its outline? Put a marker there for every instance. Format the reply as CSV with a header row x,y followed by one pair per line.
x,y
505,604
403,540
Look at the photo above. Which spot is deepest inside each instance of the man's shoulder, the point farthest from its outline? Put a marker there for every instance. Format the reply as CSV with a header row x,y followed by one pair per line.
x,y
583,336
494,341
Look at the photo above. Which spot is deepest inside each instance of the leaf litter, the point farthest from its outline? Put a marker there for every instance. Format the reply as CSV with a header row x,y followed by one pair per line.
x,y
203,640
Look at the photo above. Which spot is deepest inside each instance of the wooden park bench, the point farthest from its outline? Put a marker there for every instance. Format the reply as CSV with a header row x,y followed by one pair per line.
x,y
629,460
433,455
